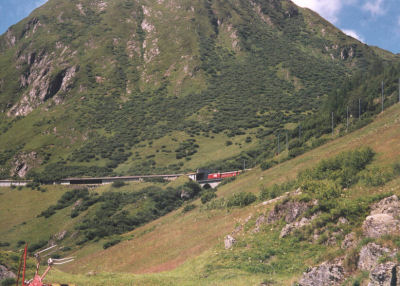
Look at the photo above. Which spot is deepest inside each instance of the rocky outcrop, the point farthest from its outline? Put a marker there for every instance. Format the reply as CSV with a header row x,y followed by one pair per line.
x,y
5,273
229,241
349,241
289,228
383,219
385,274
289,210
326,274
370,255
41,81
22,163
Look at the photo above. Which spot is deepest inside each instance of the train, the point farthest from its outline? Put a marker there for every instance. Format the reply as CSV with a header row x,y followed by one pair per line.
x,y
204,175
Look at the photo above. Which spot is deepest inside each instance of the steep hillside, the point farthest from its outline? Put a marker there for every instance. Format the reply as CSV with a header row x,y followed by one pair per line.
x,y
190,244
94,87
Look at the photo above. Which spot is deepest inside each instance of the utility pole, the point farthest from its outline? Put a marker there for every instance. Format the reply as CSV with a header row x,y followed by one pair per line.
x,y
399,89
347,119
359,108
279,147
382,95
244,165
299,132
287,141
332,123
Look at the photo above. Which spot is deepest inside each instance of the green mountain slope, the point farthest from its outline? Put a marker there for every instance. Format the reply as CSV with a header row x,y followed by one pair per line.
x,y
127,87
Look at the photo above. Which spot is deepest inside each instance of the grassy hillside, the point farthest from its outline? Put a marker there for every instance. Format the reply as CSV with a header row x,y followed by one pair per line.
x,y
91,88
189,245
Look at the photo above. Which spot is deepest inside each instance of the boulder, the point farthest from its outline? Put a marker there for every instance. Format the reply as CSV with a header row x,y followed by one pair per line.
x,y
325,274
378,225
370,254
389,205
383,219
5,273
229,241
385,274
342,220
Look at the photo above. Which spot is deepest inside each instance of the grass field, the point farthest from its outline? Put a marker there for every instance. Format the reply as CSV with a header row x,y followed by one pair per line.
x,y
187,248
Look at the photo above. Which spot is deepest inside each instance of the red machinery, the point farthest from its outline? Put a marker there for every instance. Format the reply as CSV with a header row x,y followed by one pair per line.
x,y
37,280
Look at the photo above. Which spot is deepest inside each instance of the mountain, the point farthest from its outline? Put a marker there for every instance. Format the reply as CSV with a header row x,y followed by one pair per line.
x,y
91,87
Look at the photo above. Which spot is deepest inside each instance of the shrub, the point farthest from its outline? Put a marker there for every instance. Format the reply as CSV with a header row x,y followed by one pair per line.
x,y
35,246
20,243
268,164
217,204
8,282
376,176
208,196
3,244
111,243
188,208
241,199
118,184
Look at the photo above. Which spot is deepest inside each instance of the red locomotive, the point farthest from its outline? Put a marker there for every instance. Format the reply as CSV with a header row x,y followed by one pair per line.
x,y
204,175
224,175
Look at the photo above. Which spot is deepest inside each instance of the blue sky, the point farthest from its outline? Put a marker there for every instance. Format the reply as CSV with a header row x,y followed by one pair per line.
x,y
374,22
12,11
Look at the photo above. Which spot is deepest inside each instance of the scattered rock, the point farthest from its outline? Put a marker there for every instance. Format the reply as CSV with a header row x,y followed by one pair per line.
x,y
259,222
91,273
343,220
229,241
61,235
5,273
331,241
370,254
385,274
325,274
349,241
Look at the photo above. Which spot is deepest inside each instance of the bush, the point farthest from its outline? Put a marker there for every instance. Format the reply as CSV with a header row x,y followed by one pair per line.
x,y
188,208
192,189
376,176
111,243
208,196
3,244
268,164
8,282
20,243
35,246
118,184
217,204
241,199
343,169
